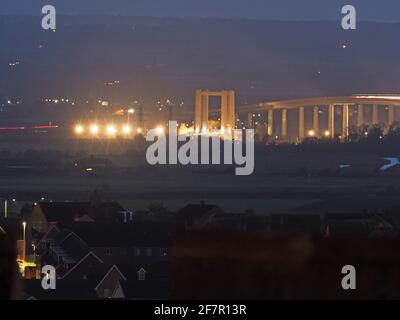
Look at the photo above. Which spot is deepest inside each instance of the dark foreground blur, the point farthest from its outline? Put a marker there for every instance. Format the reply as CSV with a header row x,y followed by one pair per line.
x,y
8,269
231,266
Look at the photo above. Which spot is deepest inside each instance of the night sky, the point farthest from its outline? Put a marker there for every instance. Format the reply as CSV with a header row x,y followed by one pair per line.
x,y
371,10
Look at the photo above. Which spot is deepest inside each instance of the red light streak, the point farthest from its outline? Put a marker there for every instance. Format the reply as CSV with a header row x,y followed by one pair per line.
x,y
44,127
12,128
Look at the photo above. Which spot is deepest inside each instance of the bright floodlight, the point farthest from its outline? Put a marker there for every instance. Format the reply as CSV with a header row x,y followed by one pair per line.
x,y
131,111
160,130
79,129
139,130
94,129
111,130
126,129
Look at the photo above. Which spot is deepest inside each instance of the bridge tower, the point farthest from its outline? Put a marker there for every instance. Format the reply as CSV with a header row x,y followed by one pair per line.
x,y
202,110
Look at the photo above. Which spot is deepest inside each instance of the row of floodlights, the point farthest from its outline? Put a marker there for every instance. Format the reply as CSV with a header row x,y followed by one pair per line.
x,y
109,130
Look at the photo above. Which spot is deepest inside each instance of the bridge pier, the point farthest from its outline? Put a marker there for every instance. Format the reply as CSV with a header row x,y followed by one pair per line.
x,y
391,115
345,125
198,111
316,121
231,110
224,111
375,114
301,123
284,123
204,115
360,115
270,129
331,120
250,123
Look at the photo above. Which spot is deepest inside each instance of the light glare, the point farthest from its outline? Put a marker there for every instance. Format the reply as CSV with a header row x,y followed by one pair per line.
x,y
94,129
111,130
126,129
79,129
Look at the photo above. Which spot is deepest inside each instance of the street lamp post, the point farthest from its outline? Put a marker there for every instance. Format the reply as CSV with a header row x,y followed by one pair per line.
x,y
5,208
24,248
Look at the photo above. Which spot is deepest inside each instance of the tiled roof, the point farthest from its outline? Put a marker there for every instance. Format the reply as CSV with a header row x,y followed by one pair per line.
x,y
123,235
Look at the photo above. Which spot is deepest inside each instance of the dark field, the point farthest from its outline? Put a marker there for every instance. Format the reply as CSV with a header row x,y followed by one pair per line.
x,y
286,179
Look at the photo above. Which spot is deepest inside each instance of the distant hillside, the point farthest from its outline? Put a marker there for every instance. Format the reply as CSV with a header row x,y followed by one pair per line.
x,y
163,57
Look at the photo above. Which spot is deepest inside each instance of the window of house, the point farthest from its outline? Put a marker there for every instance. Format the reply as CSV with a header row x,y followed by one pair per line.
x,y
142,274
136,252
163,252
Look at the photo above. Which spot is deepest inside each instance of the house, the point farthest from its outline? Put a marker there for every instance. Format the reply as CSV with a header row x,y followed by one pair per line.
x,y
47,214
141,272
229,222
139,242
65,252
144,290
195,216
150,281
145,282
101,276
295,223
106,278
347,224
383,227
65,290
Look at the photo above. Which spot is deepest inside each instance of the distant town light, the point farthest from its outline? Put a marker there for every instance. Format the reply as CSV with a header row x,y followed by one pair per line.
x,y
131,111
311,133
139,130
327,133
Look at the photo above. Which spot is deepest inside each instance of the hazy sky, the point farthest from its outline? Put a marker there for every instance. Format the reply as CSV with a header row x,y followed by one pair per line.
x,y
372,10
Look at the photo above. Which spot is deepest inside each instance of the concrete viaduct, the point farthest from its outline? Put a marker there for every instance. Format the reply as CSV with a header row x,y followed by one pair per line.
x,y
357,103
